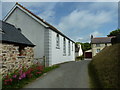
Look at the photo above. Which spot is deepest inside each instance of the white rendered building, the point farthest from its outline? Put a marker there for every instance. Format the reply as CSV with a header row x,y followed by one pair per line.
x,y
49,41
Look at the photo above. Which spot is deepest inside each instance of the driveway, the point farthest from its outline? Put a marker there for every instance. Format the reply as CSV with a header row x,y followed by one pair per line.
x,y
68,75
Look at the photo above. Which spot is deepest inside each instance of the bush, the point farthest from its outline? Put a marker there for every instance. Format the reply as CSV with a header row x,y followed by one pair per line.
x,y
20,78
14,79
80,58
104,69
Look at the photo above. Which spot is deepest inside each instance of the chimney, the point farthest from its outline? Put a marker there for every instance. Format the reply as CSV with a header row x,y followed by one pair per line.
x,y
19,29
91,37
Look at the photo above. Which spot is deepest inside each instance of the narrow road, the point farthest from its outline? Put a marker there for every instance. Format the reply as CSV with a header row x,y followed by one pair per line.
x,y
68,75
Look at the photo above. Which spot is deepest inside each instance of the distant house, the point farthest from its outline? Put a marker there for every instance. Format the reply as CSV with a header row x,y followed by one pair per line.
x,y
15,49
98,43
49,41
78,50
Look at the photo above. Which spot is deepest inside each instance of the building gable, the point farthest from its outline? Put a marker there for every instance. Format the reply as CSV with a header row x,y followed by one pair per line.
x,y
38,19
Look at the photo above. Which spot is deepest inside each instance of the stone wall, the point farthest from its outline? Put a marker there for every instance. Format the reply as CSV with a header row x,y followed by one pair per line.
x,y
10,59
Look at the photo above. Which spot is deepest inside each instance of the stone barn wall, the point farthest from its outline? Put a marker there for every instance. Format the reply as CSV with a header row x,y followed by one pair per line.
x,y
10,59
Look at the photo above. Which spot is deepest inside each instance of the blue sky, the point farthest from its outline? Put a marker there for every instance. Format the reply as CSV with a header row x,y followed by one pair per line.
x,y
77,20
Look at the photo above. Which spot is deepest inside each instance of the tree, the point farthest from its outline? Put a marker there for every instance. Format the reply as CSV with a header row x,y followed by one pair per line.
x,y
114,33
84,46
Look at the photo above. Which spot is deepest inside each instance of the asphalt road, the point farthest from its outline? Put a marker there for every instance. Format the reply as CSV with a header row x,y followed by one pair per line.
x,y
68,75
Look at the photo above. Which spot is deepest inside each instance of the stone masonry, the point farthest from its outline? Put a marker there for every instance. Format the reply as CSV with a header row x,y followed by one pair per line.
x,y
11,60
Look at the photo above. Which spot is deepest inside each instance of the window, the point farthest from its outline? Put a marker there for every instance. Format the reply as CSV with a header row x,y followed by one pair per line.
x,y
97,45
98,50
64,46
69,48
57,41
21,50
72,46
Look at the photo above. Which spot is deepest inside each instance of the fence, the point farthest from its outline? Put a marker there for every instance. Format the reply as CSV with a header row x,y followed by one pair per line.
x,y
41,61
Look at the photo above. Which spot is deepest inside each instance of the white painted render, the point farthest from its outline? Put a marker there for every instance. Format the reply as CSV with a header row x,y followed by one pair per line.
x,y
44,39
57,53
102,46
80,52
33,30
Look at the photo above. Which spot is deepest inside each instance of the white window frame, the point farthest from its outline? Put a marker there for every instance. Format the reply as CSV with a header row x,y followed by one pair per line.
x,y
97,45
98,50
69,53
64,47
72,46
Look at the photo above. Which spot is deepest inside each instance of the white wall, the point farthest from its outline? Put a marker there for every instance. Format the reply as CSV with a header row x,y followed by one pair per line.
x,y
33,30
57,54
80,52
37,34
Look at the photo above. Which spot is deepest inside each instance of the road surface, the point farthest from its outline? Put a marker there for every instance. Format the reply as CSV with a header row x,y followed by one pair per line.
x,y
68,75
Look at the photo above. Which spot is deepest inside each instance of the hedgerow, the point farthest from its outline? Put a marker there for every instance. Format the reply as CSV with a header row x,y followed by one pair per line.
x,y
105,68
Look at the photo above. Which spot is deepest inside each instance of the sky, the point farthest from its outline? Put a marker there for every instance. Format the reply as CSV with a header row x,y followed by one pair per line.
x,y
77,20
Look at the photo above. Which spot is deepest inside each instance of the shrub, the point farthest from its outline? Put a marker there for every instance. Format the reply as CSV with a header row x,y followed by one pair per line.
x,y
80,58
14,79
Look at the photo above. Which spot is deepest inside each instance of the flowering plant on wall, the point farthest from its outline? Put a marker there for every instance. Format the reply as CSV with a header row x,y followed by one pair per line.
x,y
10,80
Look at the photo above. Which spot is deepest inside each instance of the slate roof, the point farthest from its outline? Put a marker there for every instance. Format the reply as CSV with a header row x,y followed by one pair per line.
x,y
10,34
101,40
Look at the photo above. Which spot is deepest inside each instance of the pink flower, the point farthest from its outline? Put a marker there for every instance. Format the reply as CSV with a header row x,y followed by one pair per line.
x,y
38,72
20,71
14,76
7,76
6,80
23,75
20,78
10,80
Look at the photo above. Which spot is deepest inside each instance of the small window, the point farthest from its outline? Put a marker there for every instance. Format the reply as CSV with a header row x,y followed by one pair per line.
x,y
64,46
57,41
69,48
21,50
97,45
98,50
72,46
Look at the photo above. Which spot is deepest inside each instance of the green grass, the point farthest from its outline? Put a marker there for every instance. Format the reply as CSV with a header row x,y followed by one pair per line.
x,y
94,82
104,69
47,69
0,82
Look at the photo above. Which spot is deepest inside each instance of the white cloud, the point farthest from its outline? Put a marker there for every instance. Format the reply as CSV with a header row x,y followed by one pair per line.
x,y
45,9
0,11
96,34
84,20
60,0
83,23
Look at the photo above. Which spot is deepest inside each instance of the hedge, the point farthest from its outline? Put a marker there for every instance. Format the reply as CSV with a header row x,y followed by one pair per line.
x,y
104,69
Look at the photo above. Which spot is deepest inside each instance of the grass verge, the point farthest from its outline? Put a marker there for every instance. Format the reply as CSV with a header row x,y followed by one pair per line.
x,y
94,82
